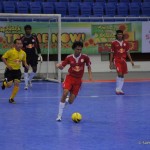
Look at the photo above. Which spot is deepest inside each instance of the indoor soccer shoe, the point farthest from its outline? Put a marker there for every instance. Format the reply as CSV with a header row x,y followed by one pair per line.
x,y
29,85
58,118
12,101
26,87
119,92
3,84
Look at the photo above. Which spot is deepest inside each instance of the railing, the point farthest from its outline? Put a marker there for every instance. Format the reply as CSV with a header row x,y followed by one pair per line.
x,y
73,19
104,19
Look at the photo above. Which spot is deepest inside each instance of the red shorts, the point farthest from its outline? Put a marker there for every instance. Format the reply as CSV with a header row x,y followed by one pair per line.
x,y
121,66
72,84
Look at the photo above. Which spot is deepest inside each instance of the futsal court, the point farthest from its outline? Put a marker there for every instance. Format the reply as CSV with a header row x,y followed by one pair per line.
x,y
110,121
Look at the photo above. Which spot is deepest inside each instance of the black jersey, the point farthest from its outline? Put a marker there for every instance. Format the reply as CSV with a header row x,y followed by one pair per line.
x,y
31,44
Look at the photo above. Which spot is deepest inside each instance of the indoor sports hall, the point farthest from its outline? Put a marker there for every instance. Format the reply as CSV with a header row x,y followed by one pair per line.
x,y
109,121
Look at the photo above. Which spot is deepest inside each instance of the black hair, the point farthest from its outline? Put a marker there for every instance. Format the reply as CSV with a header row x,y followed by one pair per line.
x,y
27,27
117,32
15,41
77,43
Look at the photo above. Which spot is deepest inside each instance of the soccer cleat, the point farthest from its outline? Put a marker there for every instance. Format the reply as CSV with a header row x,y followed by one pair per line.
x,y
26,87
3,84
12,101
59,117
119,92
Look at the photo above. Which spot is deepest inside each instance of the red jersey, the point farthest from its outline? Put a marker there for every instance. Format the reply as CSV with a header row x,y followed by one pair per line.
x,y
119,49
76,64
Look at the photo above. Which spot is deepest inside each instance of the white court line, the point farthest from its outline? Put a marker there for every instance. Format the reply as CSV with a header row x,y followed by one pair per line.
x,y
92,96
48,82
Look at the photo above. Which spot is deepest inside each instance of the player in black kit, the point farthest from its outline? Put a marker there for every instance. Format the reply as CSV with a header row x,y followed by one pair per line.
x,y
33,52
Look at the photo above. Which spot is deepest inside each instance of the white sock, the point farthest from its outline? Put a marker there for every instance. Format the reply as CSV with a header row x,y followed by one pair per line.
x,y
121,83
61,108
117,83
67,99
26,79
32,74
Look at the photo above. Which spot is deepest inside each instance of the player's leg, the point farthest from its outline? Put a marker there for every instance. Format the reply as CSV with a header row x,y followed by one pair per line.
x,y
32,75
26,78
33,63
119,78
14,92
119,83
71,85
26,75
16,78
62,104
8,80
124,71
74,90
67,84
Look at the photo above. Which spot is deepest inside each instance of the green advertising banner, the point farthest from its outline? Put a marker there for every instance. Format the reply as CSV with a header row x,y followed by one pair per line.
x,y
96,37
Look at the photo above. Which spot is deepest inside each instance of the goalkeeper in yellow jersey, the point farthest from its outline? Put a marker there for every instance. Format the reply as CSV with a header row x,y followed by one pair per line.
x,y
13,59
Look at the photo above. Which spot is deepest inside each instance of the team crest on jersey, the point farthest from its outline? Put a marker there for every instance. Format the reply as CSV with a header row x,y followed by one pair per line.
x,y
76,68
82,60
124,44
33,40
17,61
121,50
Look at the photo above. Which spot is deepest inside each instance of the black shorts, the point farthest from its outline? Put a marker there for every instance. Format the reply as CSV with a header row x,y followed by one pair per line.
x,y
32,60
11,75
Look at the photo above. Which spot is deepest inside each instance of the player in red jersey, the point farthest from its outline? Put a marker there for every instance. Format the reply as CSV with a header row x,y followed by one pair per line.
x,y
119,52
33,52
73,80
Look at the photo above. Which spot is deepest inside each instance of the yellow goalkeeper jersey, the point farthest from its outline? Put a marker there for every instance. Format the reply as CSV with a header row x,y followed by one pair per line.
x,y
14,58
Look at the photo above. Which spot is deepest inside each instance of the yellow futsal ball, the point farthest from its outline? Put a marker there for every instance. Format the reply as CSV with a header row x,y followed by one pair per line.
x,y
76,117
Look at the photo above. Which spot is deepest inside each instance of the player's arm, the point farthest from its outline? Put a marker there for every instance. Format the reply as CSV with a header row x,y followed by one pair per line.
x,y
130,58
5,62
111,64
22,39
59,66
40,58
37,44
24,62
63,64
88,64
4,59
90,73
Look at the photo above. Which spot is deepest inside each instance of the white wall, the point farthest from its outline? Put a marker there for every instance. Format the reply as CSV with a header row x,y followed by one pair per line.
x,y
97,66
103,66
